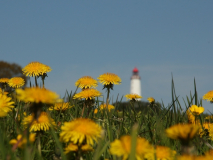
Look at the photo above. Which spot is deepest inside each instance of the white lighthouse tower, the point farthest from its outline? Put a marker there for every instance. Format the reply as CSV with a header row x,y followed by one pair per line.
x,y
135,84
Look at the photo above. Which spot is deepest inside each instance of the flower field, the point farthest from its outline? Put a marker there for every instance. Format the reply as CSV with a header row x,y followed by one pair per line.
x,y
35,123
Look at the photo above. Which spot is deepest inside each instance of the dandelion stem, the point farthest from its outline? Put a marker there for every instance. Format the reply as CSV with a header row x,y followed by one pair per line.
x,y
39,143
4,88
36,82
43,82
18,108
43,77
107,101
79,153
82,113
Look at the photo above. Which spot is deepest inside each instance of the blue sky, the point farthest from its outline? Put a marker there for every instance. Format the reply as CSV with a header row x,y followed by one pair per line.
x,y
79,38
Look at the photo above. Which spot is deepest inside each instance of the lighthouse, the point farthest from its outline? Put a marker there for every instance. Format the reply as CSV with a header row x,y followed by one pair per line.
x,y
135,83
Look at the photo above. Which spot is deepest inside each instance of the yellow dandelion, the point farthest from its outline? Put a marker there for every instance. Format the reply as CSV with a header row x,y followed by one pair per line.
x,y
86,82
132,96
142,147
196,110
61,106
206,129
209,118
209,153
103,106
207,125
45,69
193,157
4,80
6,105
208,96
87,94
207,157
109,79
186,157
161,153
96,111
16,82
73,148
182,132
122,147
151,99
22,141
35,69
165,152
36,94
80,130
210,131
86,148
191,117
43,122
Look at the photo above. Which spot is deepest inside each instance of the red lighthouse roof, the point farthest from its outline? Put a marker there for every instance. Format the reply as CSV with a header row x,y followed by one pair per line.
x,y
135,70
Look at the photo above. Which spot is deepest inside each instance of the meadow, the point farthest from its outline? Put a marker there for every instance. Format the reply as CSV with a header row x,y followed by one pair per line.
x,y
37,124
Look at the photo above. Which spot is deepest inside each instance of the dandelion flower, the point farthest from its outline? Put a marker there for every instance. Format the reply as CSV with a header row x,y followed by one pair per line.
x,y
161,153
193,157
183,132
209,153
109,79
133,96
87,94
103,106
208,96
86,82
61,106
206,157
187,157
142,147
16,82
73,148
45,69
22,141
191,117
36,94
43,122
122,147
86,147
5,105
209,118
206,129
151,100
70,148
4,80
80,130
35,69
207,126
196,110
210,131
96,111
